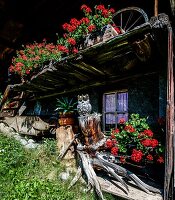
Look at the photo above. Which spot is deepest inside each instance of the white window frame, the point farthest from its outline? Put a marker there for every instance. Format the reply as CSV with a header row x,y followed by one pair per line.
x,y
116,112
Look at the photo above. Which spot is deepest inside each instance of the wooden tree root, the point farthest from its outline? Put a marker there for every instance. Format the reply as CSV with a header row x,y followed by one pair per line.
x,y
89,163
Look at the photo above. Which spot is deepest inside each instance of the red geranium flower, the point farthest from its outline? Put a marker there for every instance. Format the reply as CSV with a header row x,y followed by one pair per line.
x,y
75,22
83,7
63,48
136,155
148,132
129,128
109,143
160,160
122,159
149,157
121,121
146,142
154,143
100,7
65,26
27,71
91,28
114,151
71,41
105,13
75,50
117,130
85,20
112,10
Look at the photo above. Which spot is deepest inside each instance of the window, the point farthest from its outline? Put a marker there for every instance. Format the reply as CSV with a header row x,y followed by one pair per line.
x,y
115,107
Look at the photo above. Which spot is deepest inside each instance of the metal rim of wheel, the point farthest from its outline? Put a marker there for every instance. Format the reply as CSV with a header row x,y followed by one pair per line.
x,y
128,18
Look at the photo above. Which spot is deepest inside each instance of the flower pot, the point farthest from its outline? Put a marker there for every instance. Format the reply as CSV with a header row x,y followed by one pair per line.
x,y
98,36
66,119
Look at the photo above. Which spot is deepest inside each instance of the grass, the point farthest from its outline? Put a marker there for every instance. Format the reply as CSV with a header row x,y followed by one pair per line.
x,y
34,174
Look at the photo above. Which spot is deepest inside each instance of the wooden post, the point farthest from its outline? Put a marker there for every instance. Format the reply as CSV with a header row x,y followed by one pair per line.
x,y
169,154
156,7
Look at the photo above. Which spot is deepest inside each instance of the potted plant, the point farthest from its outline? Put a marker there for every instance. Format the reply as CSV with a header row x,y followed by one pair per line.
x,y
66,108
135,144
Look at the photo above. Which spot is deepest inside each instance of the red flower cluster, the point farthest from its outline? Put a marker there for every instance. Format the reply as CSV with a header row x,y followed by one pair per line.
x,y
134,140
136,155
114,151
86,9
109,143
160,160
129,128
122,159
71,41
149,157
121,121
150,143
34,55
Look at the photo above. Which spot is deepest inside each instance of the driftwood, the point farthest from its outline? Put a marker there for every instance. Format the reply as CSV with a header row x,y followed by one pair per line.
x,y
92,157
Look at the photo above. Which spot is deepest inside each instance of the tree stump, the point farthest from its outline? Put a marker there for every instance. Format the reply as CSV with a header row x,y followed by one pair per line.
x,y
64,136
91,128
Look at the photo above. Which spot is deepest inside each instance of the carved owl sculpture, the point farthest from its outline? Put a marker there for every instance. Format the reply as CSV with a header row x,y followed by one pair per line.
x,y
84,107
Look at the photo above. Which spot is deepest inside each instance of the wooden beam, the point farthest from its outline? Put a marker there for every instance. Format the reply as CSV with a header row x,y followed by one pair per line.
x,y
93,85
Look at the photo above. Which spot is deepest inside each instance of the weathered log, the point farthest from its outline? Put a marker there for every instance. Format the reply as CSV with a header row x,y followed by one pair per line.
x,y
65,138
127,174
90,173
90,126
29,125
76,177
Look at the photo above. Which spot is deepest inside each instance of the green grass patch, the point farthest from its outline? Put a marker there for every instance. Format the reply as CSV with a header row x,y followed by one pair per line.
x,y
34,174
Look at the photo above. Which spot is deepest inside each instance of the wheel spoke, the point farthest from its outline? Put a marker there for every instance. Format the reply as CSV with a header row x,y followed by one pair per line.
x,y
121,20
134,23
129,18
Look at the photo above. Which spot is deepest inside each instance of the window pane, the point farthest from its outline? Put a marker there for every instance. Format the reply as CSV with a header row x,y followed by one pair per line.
x,y
110,119
122,101
110,103
122,116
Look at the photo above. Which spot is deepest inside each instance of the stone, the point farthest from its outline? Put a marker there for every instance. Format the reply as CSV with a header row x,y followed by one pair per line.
x,y
23,141
17,137
64,175
31,146
31,141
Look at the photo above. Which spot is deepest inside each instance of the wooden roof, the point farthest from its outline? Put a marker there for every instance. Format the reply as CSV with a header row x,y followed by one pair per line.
x,y
98,65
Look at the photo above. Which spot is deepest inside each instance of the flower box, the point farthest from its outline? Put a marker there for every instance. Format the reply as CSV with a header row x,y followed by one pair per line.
x,y
99,36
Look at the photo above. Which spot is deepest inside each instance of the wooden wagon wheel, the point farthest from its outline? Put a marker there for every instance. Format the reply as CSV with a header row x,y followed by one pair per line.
x,y
128,18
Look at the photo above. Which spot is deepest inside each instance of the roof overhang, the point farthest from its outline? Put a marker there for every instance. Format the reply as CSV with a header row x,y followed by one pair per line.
x,y
99,65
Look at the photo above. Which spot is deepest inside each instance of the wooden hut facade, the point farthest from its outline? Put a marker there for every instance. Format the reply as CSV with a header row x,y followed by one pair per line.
x,y
128,73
